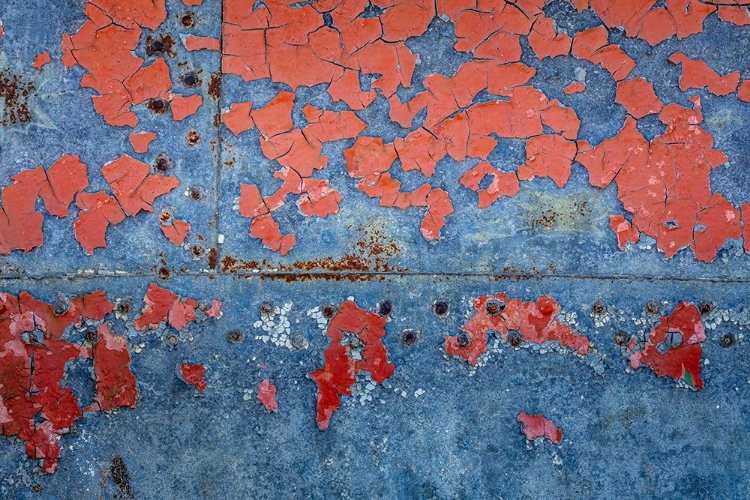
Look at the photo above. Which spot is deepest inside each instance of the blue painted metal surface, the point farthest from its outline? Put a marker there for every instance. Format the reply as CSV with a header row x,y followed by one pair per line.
x,y
438,428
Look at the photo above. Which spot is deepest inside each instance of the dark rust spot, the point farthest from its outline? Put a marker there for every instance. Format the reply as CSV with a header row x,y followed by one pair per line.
x,y
652,307
197,193
727,340
494,307
193,138
213,258
236,336
158,105
172,339
620,338
164,273
166,216
440,308
599,307
162,163
198,250
409,337
463,340
266,307
14,93
214,86
706,307
328,311
37,488
126,306
161,45
187,20
385,308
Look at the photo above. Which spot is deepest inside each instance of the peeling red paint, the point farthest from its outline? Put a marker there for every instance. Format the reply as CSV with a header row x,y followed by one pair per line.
x,y
537,426
592,45
41,60
664,183
673,347
141,141
194,375
638,97
267,395
182,107
133,186
176,232
574,88
535,321
351,328
115,383
193,43
696,74
743,92
164,306
34,406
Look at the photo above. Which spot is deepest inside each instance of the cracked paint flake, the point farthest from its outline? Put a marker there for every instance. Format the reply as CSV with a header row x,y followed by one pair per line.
x,y
34,359
164,306
673,347
536,323
141,141
537,426
41,60
176,231
356,346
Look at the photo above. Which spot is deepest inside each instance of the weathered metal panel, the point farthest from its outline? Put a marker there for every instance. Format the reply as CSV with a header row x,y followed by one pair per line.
x,y
453,251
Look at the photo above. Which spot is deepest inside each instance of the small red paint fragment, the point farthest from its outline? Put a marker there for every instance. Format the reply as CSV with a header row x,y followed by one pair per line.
x,y
215,310
238,119
673,347
267,395
574,88
592,45
350,329
176,232
537,426
182,107
193,43
638,97
194,375
696,74
115,383
535,321
141,141
41,60
192,3
162,305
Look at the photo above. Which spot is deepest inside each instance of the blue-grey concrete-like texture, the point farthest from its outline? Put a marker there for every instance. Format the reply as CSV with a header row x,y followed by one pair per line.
x,y
437,429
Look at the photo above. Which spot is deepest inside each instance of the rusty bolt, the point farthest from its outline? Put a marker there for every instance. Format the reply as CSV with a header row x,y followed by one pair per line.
x,y
155,46
652,307
494,307
385,308
514,339
190,79
60,308
126,306
599,307
37,488
328,311
266,307
620,338
727,340
162,163
440,308
236,336
198,250
462,340
91,335
197,193
164,273
298,341
409,337
193,137
172,339
158,105
187,20
705,307
166,216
